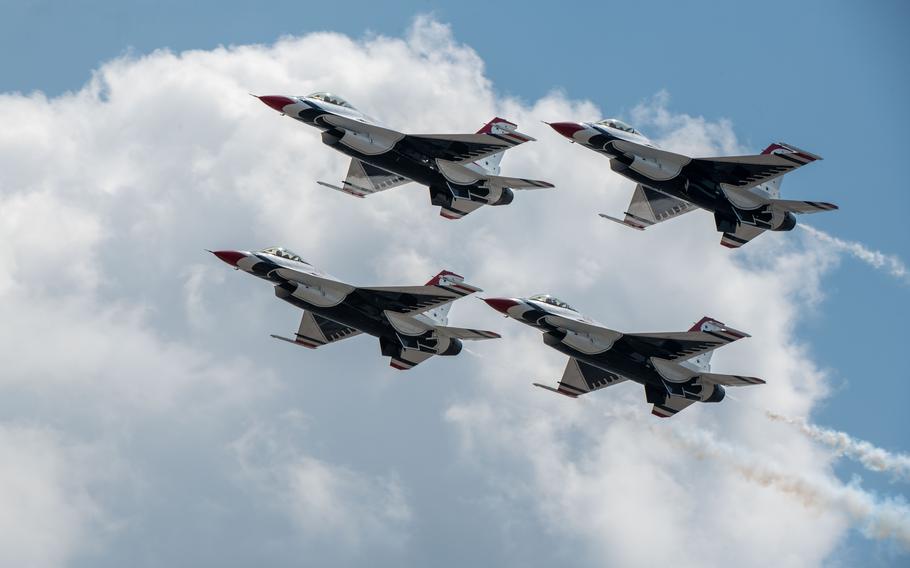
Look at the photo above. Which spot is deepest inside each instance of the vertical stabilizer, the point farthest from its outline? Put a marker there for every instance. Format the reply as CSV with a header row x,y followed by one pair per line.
x,y
440,315
703,362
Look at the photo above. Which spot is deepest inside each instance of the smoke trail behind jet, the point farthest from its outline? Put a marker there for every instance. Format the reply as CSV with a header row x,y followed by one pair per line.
x,y
877,519
870,456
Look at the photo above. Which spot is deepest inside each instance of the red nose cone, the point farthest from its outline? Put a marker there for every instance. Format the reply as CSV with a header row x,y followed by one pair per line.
x,y
567,129
277,102
501,304
231,257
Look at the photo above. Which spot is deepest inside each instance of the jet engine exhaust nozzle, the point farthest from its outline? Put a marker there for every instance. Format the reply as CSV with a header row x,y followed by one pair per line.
x,y
507,197
787,223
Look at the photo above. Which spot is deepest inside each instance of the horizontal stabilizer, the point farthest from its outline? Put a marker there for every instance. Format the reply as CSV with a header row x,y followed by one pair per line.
x,y
466,334
670,406
730,380
517,183
802,207
408,359
742,235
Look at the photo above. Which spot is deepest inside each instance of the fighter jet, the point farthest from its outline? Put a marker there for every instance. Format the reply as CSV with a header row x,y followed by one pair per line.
x,y
461,170
410,321
742,191
673,367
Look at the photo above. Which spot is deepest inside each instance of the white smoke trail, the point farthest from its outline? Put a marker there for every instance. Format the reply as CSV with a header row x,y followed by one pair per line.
x,y
878,519
890,263
872,457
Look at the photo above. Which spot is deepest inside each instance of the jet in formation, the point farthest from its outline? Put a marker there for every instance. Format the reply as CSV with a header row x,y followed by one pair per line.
x,y
743,192
409,321
461,170
673,367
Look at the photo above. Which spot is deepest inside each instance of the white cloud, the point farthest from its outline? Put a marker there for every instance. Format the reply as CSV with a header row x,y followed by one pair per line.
x,y
49,515
325,501
118,327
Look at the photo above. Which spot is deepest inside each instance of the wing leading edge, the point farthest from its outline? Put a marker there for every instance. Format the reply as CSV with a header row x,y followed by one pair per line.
x,y
364,179
581,378
316,331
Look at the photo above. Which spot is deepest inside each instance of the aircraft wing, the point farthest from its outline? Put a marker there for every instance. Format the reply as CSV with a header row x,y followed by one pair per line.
x,y
580,378
316,331
649,207
415,299
364,179
681,345
495,136
744,172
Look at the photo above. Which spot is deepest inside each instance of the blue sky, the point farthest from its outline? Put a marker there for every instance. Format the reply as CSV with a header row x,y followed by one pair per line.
x,y
829,77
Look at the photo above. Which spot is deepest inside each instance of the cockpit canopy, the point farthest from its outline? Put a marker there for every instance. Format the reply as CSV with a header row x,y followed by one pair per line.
x,y
619,125
331,99
283,253
548,299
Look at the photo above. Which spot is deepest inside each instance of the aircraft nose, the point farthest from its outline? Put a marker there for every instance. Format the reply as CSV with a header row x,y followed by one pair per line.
x,y
501,304
277,102
567,129
231,257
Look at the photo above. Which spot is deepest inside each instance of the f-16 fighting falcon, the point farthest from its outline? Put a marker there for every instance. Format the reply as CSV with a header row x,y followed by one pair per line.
x,y
410,321
673,367
461,170
742,191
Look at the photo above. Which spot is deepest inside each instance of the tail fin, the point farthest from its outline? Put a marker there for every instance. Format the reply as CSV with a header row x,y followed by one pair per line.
x,y
771,188
490,164
703,361
440,315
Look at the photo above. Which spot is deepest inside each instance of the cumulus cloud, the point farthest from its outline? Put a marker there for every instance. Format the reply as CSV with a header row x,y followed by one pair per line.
x,y
49,515
871,456
120,329
326,501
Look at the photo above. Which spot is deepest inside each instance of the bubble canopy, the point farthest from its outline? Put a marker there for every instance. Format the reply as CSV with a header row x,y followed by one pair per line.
x,y
331,99
618,125
553,301
283,253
